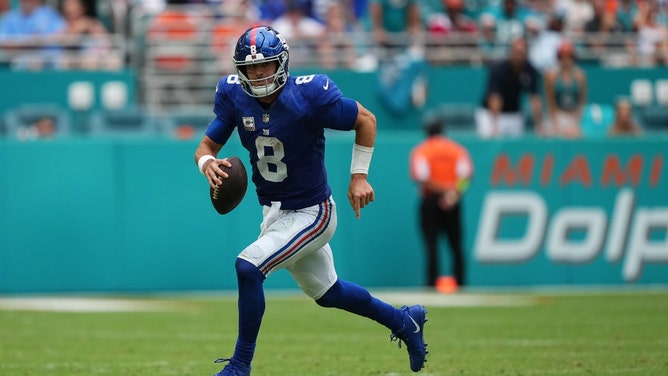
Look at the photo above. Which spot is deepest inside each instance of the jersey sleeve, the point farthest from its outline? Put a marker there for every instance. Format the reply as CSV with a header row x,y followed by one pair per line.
x,y
464,164
419,165
329,106
222,126
341,115
322,91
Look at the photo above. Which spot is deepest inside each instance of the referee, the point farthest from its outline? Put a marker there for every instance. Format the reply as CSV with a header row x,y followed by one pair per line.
x,y
443,169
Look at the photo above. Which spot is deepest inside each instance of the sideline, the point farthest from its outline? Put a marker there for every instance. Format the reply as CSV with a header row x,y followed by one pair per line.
x,y
84,304
179,302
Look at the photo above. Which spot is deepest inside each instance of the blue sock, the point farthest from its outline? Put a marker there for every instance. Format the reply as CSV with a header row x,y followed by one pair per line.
x,y
356,299
251,309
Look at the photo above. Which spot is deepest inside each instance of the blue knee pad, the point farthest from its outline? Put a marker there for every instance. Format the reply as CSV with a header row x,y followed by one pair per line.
x,y
332,296
247,272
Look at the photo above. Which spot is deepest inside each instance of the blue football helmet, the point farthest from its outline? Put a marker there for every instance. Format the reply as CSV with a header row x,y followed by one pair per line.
x,y
261,44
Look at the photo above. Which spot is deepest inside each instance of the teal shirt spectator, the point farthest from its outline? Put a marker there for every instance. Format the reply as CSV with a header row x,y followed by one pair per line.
x,y
510,25
625,16
475,8
395,14
566,94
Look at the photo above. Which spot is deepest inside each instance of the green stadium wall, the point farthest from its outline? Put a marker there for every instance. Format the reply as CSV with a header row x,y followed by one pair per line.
x,y
21,88
133,215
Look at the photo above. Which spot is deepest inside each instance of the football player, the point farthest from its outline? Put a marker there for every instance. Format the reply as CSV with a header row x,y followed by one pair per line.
x,y
281,121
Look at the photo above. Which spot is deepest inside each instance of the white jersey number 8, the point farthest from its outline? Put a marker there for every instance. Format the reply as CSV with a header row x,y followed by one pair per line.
x,y
280,170
304,79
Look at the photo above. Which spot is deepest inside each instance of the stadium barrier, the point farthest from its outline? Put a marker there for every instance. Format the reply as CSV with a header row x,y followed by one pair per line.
x,y
82,93
133,215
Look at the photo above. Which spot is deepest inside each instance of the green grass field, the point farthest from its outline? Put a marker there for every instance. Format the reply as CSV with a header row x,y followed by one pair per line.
x,y
546,333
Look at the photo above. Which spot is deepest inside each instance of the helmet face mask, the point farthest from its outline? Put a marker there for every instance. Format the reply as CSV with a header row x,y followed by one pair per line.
x,y
259,45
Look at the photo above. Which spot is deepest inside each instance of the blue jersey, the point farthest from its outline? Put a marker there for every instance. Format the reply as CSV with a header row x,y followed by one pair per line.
x,y
286,141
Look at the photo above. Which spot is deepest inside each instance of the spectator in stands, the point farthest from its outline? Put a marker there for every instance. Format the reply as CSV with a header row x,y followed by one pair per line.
x,y
450,31
624,124
501,112
304,32
356,11
395,25
475,8
652,30
544,41
626,13
86,38
337,48
565,94
43,128
576,14
271,9
28,33
453,20
604,31
604,20
488,44
510,20
545,7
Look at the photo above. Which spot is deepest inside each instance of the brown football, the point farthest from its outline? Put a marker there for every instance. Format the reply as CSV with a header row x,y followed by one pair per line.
x,y
227,196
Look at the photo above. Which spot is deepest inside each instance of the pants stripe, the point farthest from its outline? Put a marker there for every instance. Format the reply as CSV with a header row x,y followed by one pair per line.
x,y
301,239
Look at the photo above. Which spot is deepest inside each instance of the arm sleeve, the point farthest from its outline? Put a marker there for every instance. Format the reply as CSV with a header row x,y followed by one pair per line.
x,y
420,169
221,127
341,114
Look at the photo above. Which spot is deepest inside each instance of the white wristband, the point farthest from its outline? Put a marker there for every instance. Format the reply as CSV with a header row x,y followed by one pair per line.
x,y
202,160
361,159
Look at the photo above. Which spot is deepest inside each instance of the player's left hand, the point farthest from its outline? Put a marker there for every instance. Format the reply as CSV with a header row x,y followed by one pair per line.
x,y
360,193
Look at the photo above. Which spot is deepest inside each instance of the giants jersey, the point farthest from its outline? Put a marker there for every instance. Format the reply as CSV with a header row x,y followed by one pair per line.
x,y
286,142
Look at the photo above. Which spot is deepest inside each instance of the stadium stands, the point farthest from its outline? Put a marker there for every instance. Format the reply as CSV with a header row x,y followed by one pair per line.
x,y
179,54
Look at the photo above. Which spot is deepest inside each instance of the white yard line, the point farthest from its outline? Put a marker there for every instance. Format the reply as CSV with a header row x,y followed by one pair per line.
x,y
82,304
104,304
456,300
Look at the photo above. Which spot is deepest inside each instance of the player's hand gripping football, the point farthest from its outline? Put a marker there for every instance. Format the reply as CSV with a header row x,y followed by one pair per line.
x,y
360,192
228,181
213,173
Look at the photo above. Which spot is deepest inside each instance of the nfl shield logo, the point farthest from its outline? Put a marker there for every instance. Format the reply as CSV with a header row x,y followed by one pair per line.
x,y
249,123
265,118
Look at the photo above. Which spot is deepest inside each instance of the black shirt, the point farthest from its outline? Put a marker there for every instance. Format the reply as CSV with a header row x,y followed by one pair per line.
x,y
505,82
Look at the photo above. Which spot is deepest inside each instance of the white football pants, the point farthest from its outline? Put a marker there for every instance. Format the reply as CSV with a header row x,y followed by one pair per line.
x,y
297,240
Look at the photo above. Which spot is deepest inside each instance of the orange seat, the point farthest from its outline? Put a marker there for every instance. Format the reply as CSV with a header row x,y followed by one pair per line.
x,y
225,34
173,39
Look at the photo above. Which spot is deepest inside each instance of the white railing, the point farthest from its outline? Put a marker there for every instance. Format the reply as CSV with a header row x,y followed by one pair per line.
x,y
65,52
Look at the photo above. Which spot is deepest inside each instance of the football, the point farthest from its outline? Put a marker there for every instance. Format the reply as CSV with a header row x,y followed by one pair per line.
x,y
226,196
